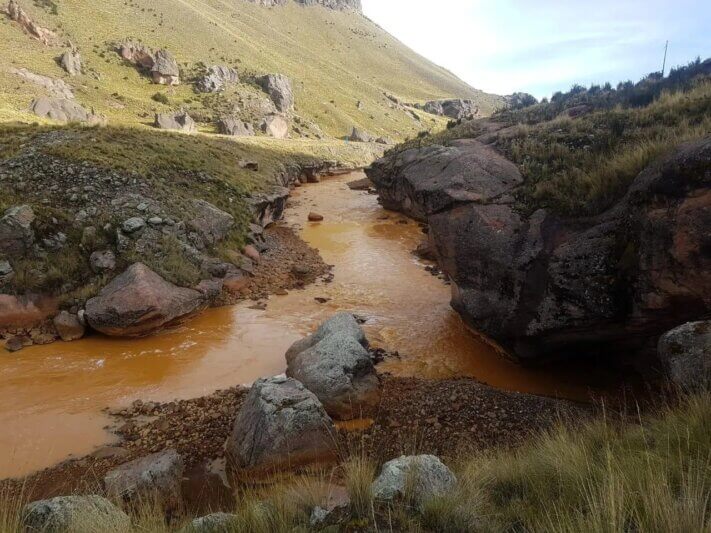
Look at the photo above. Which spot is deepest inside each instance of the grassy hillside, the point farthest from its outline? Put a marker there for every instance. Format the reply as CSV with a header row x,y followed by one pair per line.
x,y
335,60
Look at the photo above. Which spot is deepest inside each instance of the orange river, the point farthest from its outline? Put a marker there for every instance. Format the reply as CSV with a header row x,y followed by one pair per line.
x,y
51,397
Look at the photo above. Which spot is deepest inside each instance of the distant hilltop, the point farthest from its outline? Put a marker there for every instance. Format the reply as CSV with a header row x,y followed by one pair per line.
x,y
342,5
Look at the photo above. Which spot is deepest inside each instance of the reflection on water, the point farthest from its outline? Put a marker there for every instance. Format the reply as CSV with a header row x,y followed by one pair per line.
x,y
51,396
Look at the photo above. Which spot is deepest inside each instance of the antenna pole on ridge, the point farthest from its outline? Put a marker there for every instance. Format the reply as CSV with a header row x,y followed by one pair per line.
x,y
664,64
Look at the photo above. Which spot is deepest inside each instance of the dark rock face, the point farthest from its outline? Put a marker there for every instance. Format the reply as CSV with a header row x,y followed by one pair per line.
x,y
280,426
547,287
139,302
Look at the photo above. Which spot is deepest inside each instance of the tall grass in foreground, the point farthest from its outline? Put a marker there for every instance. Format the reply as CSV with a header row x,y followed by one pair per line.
x,y
608,475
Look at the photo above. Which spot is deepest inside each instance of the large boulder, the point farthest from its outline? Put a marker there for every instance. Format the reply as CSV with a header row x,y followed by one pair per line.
x,y
275,126
56,87
211,223
140,302
67,514
334,365
280,426
216,79
685,353
165,70
160,64
418,478
235,127
158,476
278,87
180,121
16,233
545,286
70,61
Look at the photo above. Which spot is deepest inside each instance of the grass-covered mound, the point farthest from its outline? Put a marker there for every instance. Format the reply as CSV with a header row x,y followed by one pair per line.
x,y
70,177
581,165
335,60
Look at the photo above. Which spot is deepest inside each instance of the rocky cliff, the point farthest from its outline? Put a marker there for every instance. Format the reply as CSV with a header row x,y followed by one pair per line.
x,y
547,286
340,5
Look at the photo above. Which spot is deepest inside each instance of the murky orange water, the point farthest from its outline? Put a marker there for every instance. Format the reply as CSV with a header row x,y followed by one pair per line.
x,y
51,396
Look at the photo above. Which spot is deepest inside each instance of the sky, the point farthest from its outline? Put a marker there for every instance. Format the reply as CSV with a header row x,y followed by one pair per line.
x,y
503,46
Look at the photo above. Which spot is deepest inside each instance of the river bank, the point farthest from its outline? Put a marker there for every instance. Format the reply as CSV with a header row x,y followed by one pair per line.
x,y
59,391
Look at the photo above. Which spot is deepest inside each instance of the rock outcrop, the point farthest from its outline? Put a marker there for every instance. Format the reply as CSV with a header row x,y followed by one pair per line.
x,y
456,109
160,64
685,353
16,233
211,223
139,302
235,127
216,79
158,476
341,5
275,126
544,286
280,426
66,514
179,121
334,365
70,61
20,16
418,478
360,136
278,87
64,110
56,87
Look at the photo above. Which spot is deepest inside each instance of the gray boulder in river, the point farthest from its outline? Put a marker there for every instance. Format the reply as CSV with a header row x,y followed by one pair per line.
x,y
280,426
334,365
543,285
140,302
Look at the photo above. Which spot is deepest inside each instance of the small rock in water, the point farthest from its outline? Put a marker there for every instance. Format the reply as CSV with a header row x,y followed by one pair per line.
x,y
281,292
14,344
315,217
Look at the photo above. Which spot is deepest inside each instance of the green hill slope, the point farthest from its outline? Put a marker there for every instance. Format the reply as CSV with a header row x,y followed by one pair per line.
x,y
334,58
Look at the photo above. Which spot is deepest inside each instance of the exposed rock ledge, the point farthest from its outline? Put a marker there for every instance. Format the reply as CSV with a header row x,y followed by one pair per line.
x,y
341,5
543,286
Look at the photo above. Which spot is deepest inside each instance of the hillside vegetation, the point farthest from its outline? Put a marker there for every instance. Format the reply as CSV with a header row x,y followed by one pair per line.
x,y
334,58
579,152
